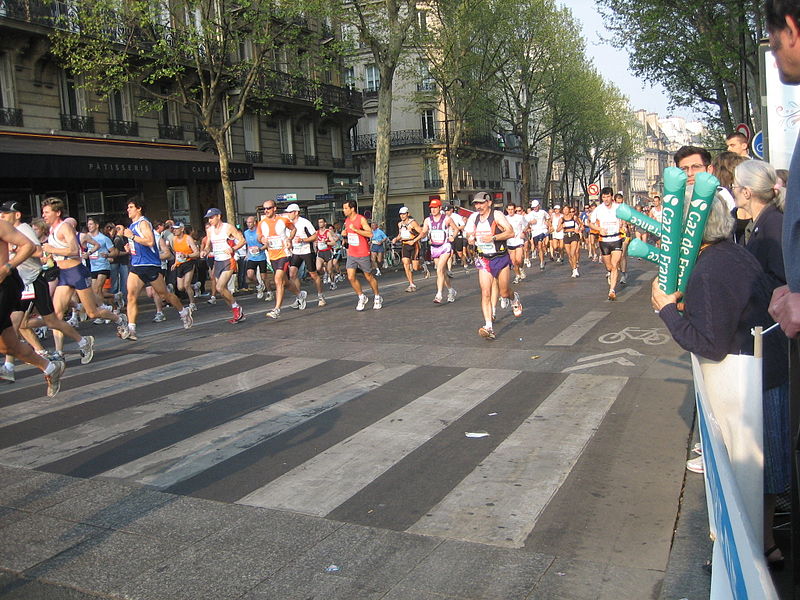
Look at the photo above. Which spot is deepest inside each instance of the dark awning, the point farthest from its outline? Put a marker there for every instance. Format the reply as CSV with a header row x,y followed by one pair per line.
x,y
25,155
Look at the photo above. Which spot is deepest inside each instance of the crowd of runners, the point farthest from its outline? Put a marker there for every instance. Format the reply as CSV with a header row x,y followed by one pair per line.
x,y
54,276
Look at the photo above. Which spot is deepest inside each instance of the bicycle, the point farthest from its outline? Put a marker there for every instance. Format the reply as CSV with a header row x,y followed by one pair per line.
x,y
652,337
391,257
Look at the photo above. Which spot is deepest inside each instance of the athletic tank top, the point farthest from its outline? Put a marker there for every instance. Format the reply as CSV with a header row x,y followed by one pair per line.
x,y
53,240
357,244
323,243
569,225
488,227
437,234
182,249
141,255
274,232
219,243
405,232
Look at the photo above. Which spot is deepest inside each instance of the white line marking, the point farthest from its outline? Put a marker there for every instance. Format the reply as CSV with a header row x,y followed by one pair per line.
x,y
575,331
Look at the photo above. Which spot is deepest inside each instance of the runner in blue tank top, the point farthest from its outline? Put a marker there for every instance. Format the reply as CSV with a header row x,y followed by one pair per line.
x,y
145,268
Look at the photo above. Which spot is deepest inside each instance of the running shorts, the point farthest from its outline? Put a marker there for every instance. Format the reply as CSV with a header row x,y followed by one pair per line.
x,y
252,265
280,264
10,294
325,255
607,248
42,301
571,236
437,251
221,266
184,268
410,251
359,262
458,243
147,273
96,274
540,237
376,248
76,277
493,265
309,259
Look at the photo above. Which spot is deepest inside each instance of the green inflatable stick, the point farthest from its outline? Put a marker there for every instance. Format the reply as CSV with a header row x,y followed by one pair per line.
x,y
640,249
671,228
634,217
705,186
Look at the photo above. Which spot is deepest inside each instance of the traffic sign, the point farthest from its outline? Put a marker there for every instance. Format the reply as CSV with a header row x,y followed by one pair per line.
x,y
744,129
593,189
286,198
757,145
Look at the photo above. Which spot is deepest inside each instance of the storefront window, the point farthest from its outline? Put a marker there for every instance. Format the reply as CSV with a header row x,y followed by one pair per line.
x,y
178,201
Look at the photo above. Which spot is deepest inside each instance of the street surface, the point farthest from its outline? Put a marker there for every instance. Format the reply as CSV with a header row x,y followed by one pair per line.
x,y
325,454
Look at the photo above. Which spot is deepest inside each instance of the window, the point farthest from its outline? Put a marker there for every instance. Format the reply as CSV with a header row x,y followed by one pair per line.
x,y
429,124
506,170
425,80
252,142
120,105
309,139
168,114
285,133
178,202
281,60
350,77
246,50
6,82
422,20
336,142
430,169
93,203
373,78
72,97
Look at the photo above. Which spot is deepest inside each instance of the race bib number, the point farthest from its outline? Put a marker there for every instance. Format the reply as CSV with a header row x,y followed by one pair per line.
x,y
353,239
322,246
438,236
275,242
28,293
486,247
405,234
254,250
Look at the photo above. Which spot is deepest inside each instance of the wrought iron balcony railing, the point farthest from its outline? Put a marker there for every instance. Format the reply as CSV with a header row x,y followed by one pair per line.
x,y
288,159
201,135
338,163
253,156
129,128
77,123
170,132
433,184
426,86
311,161
11,116
403,137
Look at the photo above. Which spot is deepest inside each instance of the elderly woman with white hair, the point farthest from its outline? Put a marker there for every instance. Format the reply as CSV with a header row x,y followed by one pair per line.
x,y
757,189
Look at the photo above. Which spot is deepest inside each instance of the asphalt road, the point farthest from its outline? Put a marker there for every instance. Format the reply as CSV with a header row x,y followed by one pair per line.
x,y
564,438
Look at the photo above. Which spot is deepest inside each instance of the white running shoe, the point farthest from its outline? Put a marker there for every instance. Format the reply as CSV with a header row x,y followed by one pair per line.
x,y
274,313
87,352
302,298
362,302
527,263
187,319
516,305
504,302
159,317
437,299
193,307
73,320
212,300
99,321
516,279
260,291
623,278
122,327
377,302
54,379
377,272
268,296
7,375
451,295
321,300
695,465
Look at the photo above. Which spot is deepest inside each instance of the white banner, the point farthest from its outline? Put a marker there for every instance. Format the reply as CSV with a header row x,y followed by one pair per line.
x,y
729,412
783,115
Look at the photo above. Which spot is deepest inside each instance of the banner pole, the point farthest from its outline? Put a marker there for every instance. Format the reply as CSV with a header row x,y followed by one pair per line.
x,y
794,409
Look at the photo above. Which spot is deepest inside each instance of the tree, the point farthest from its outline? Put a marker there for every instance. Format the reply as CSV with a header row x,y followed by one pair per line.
x,y
709,64
213,57
383,26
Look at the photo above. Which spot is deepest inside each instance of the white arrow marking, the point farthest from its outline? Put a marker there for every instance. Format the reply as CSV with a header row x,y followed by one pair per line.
x,y
627,351
619,360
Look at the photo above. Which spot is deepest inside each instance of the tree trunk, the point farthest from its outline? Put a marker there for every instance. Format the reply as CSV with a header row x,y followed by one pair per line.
x,y
382,149
228,191
549,171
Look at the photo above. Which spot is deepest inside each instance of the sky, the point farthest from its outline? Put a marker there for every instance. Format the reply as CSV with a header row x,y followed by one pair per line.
x,y
651,97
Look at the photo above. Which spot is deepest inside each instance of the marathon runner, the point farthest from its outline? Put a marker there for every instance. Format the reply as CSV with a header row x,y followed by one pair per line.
x,y
186,255
438,227
303,253
516,244
99,261
457,232
572,238
11,287
376,248
408,234
557,234
256,267
216,244
488,229
326,238
537,220
625,230
275,233
73,276
605,219
358,233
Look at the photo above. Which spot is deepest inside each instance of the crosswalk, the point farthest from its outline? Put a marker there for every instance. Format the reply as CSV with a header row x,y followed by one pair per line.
x,y
344,439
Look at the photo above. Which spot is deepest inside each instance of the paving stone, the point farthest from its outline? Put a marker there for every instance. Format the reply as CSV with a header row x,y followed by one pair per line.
x,y
36,538
581,580
35,490
478,572
13,587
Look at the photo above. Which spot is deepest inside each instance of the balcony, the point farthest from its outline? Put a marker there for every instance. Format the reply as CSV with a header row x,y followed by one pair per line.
x,y
338,163
403,137
201,135
298,88
77,123
494,184
426,86
288,159
480,183
311,161
128,128
11,116
433,184
370,94
170,132
253,156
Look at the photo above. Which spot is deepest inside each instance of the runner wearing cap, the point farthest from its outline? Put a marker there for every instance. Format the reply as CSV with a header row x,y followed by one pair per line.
x,y
516,244
217,244
557,234
376,247
608,225
186,255
303,253
537,221
489,229
275,233
438,227
257,267
358,233
408,234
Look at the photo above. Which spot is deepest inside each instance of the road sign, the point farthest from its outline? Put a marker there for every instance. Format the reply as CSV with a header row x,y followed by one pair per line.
x,y
593,189
757,145
286,198
744,129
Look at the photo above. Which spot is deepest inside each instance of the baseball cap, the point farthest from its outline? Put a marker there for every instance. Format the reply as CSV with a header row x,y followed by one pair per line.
x,y
448,207
178,225
535,203
435,202
557,206
212,212
481,197
11,206
403,210
293,208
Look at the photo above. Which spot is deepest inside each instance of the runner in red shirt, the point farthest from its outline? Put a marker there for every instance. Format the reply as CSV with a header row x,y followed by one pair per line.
x,y
357,232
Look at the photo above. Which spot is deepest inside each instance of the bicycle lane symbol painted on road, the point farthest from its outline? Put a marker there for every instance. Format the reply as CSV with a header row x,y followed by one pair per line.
x,y
608,358
651,337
